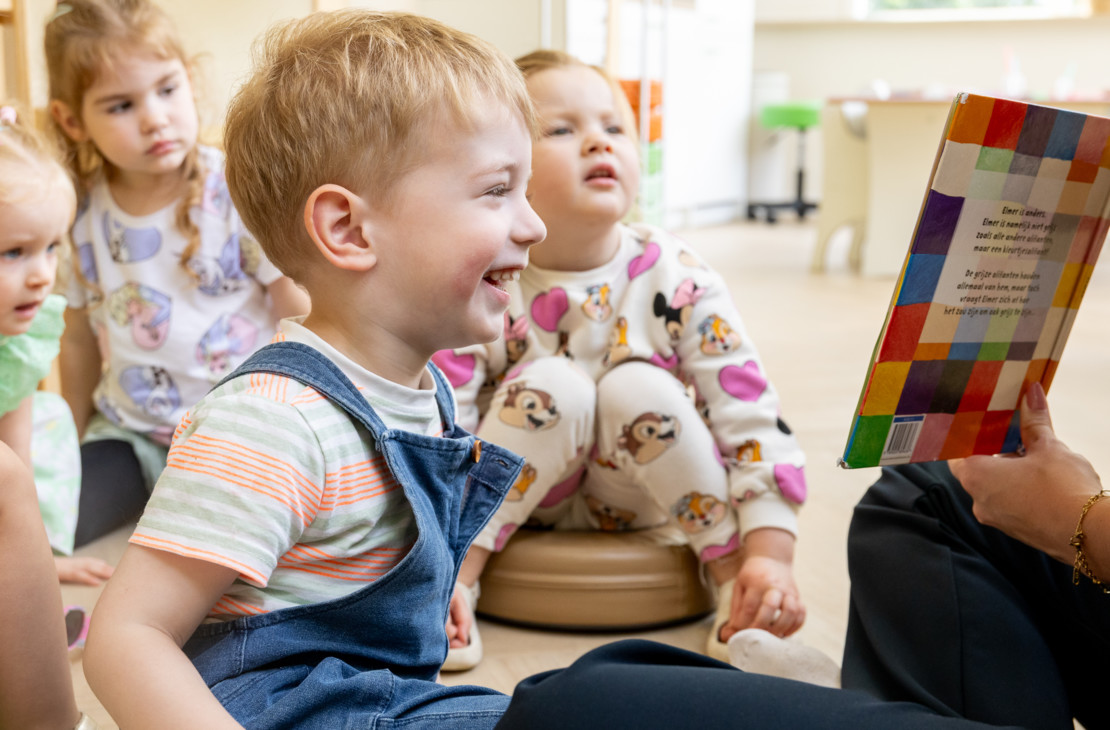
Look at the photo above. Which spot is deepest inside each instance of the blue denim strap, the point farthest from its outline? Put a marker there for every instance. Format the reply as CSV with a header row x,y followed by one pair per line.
x,y
311,367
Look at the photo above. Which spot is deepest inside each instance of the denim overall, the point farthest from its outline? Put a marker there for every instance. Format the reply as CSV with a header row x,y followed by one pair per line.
x,y
369,659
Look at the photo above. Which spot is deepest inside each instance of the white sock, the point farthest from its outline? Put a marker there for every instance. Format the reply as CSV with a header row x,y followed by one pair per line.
x,y
755,650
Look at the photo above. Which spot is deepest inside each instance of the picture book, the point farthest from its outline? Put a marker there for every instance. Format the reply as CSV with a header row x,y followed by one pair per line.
x,y
1016,211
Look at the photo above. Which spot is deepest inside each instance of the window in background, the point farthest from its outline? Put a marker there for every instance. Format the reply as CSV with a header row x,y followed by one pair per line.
x,y
981,8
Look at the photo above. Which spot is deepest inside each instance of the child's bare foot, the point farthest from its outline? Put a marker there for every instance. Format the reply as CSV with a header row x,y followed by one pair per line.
x,y
85,571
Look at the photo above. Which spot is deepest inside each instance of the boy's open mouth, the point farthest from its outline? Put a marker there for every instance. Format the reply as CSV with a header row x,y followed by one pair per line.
x,y
502,276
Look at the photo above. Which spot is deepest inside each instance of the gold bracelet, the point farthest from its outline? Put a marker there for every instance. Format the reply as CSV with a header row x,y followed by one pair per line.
x,y
1081,564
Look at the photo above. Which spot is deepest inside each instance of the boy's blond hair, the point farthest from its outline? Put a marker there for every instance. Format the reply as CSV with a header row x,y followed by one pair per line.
x,y
83,39
346,97
545,59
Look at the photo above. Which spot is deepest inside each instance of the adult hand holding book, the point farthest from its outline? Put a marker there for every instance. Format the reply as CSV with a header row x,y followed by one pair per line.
x,y
1038,497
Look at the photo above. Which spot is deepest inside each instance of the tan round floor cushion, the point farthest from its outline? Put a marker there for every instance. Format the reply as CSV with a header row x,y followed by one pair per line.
x,y
592,581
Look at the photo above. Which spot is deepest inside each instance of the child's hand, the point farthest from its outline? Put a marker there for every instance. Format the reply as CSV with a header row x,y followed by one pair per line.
x,y
459,619
765,596
86,571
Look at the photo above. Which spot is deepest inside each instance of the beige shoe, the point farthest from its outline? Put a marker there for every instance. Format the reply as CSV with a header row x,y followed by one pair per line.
x,y
467,657
714,647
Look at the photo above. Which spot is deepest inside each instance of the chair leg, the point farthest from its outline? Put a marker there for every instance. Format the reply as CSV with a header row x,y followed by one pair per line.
x,y
798,204
855,253
820,249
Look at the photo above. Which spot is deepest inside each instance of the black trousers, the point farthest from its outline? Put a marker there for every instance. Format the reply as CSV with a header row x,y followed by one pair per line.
x,y
965,620
112,489
636,684
952,625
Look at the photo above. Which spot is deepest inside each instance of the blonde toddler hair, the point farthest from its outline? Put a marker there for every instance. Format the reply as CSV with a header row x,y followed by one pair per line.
x,y
29,163
85,37
346,97
544,59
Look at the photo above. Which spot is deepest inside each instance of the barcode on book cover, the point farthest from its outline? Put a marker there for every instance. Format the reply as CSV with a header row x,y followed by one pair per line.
x,y
901,439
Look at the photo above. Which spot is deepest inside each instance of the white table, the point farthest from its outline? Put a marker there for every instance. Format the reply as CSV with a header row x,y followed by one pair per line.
x,y
890,180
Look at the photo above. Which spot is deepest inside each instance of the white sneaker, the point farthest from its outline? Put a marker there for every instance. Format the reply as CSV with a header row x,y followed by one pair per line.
x,y
466,657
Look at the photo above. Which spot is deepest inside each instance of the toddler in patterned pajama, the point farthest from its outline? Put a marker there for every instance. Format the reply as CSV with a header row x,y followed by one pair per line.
x,y
625,378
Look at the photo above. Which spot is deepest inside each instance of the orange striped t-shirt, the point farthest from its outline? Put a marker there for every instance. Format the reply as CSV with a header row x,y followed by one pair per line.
x,y
269,478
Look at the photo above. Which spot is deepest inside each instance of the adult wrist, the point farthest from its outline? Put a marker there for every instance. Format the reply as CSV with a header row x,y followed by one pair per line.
x,y
1079,541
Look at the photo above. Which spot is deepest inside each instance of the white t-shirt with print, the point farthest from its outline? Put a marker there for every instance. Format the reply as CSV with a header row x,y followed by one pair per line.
x,y
167,335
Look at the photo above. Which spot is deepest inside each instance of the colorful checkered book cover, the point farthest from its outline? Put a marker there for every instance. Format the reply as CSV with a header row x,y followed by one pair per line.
x,y
1016,212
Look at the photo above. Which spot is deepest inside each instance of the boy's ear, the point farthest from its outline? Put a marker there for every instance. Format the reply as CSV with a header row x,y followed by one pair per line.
x,y
336,222
68,121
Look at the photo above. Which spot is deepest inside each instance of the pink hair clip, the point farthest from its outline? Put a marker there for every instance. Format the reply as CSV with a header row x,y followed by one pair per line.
x,y
7,115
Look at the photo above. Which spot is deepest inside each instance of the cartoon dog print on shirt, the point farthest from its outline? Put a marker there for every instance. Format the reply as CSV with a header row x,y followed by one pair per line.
x,y
130,244
676,314
229,336
529,409
145,310
609,518
717,337
647,437
152,389
597,306
697,512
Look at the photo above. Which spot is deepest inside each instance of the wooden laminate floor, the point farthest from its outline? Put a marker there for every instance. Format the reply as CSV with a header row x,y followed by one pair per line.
x,y
815,333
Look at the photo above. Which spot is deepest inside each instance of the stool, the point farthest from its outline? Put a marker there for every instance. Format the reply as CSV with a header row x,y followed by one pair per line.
x,y
592,581
800,115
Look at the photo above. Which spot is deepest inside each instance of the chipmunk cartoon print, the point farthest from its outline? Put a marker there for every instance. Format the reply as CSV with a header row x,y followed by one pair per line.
x,y
597,306
697,512
516,338
609,518
648,436
563,350
528,409
676,313
523,482
749,452
717,337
